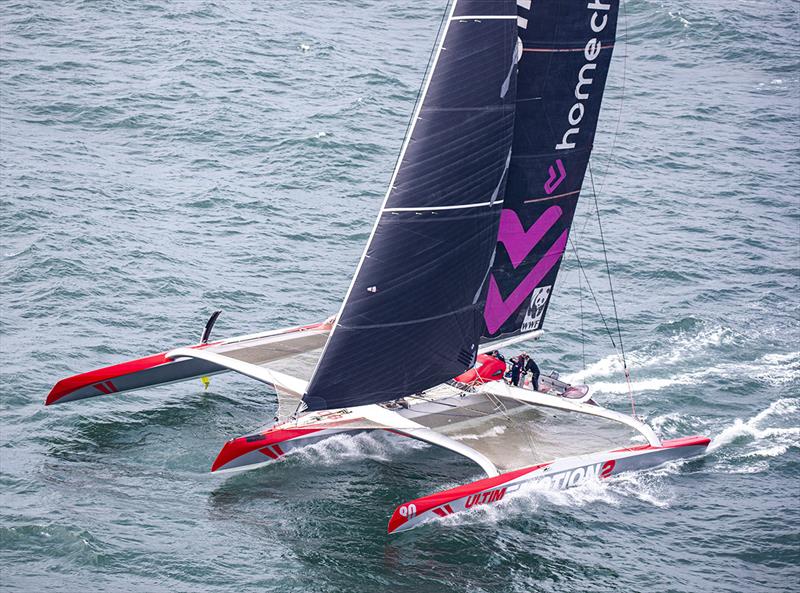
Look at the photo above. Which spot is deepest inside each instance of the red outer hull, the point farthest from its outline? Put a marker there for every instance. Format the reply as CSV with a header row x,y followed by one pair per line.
x,y
157,369
489,490
102,378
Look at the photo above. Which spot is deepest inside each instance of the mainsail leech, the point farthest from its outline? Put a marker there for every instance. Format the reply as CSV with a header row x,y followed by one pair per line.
x,y
411,312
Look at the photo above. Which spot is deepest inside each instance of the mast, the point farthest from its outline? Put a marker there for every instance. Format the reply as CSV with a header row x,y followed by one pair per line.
x,y
567,47
412,316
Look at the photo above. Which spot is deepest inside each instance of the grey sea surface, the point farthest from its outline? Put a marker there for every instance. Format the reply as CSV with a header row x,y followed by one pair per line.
x,y
164,159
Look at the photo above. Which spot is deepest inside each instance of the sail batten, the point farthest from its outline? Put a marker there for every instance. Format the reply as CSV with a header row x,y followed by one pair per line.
x,y
410,319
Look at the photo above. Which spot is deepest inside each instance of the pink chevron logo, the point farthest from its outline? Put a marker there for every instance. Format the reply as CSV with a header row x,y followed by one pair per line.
x,y
555,180
519,243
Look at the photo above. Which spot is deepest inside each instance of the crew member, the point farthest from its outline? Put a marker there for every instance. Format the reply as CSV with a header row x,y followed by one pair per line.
x,y
496,354
530,365
517,364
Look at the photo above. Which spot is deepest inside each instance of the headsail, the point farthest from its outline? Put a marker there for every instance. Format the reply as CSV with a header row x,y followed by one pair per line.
x,y
567,48
413,314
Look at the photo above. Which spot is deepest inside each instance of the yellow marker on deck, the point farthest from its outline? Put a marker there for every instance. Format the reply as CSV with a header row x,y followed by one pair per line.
x,y
206,382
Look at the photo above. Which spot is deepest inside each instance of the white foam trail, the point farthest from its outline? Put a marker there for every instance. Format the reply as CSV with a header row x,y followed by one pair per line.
x,y
740,429
650,487
780,436
775,451
680,348
642,385
646,488
776,369
786,406
492,432
374,446
531,497
604,367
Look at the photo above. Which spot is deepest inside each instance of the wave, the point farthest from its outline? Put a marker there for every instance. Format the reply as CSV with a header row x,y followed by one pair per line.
x,y
770,438
367,445
768,434
654,384
776,369
680,347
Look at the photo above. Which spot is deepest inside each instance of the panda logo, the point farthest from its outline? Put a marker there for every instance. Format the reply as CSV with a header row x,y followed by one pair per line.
x,y
535,312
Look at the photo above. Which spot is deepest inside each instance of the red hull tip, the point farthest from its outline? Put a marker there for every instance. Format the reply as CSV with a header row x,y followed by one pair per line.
x,y
101,381
267,443
396,521
230,451
53,396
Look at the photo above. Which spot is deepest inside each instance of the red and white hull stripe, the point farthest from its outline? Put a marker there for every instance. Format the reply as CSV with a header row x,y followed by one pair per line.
x,y
258,449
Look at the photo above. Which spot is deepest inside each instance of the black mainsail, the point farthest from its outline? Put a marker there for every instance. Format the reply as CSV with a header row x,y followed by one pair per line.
x,y
413,314
567,47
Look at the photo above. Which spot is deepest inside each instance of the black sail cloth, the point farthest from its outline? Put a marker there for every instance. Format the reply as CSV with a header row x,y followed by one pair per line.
x,y
414,312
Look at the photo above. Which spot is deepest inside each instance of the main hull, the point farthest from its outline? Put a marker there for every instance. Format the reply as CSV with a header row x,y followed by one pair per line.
x,y
273,442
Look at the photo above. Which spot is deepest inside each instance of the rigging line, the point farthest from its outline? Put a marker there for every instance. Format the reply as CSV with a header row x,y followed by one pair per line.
x,y
594,297
525,428
428,399
613,298
608,268
583,333
622,91
561,281
611,156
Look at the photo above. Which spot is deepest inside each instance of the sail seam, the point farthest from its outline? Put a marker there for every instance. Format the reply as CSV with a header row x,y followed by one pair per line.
x,y
435,208
555,197
557,50
412,321
492,17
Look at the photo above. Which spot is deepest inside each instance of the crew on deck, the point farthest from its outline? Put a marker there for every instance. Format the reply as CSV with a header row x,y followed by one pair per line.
x,y
520,366
530,366
517,366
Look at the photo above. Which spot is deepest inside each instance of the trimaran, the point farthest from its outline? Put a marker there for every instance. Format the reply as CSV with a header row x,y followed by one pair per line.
x,y
462,260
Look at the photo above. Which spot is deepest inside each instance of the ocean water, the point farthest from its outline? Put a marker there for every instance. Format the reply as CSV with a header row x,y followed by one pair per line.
x,y
164,159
